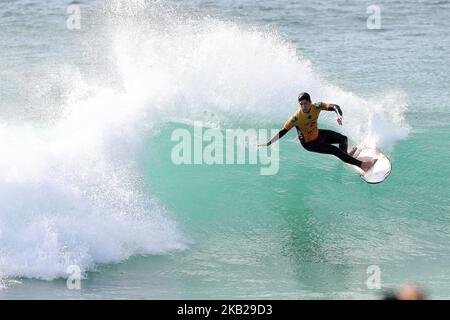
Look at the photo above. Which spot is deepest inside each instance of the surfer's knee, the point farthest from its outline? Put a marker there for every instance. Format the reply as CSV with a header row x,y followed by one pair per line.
x,y
344,144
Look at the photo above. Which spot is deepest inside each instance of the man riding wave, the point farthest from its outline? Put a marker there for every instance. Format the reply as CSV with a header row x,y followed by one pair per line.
x,y
319,140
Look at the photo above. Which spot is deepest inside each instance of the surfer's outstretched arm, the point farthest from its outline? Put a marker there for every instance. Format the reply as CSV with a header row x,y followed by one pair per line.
x,y
278,136
337,109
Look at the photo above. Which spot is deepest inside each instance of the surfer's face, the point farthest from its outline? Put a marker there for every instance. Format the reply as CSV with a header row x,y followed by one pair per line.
x,y
304,104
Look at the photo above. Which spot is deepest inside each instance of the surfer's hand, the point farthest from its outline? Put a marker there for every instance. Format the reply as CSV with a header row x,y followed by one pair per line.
x,y
339,120
266,144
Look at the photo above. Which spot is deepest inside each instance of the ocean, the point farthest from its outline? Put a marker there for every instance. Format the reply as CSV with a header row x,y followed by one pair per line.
x,y
95,96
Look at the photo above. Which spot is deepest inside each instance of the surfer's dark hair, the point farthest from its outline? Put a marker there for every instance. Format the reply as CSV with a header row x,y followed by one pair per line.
x,y
304,96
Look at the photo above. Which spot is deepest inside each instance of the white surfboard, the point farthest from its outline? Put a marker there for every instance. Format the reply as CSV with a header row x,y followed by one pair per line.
x,y
379,171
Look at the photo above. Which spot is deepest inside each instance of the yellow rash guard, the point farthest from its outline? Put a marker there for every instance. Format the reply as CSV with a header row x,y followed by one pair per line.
x,y
306,122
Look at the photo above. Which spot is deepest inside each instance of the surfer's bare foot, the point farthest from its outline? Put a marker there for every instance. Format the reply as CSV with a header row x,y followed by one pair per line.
x,y
366,165
352,151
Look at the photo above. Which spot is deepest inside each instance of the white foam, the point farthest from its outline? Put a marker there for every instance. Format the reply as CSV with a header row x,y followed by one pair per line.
x,y
242,73
70,193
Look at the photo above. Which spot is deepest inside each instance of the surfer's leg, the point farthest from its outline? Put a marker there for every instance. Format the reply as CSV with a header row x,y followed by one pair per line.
x,y
322,147
332,137
366,165
352,151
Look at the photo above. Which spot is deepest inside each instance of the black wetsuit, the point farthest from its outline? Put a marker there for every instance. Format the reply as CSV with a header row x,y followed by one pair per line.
x,y
325,138
324,144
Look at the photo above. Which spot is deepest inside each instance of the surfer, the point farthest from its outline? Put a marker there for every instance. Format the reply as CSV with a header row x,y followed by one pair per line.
x,y
319,140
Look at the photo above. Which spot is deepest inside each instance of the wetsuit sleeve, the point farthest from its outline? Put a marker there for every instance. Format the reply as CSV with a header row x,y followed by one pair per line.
x,y
322,105
335,108
278,136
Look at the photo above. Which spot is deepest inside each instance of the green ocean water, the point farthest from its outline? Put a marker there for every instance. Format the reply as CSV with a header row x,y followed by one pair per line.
x,y
315,222
88,178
